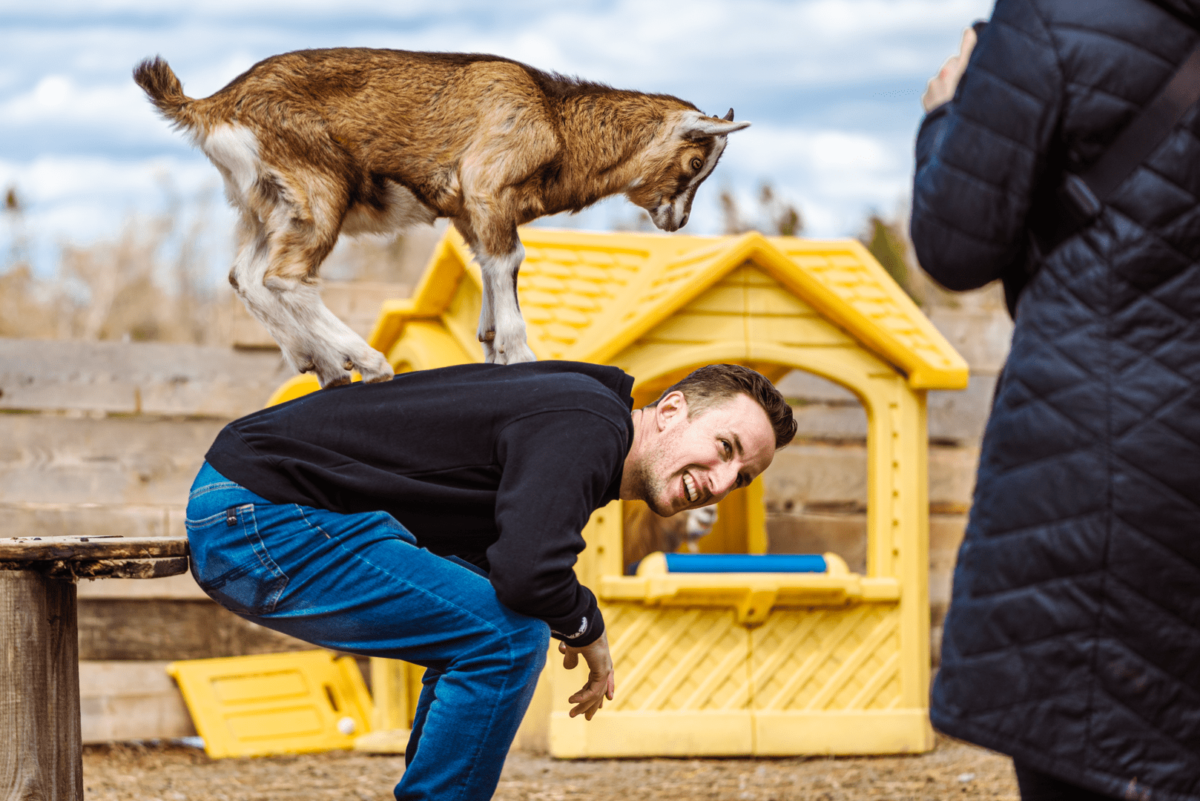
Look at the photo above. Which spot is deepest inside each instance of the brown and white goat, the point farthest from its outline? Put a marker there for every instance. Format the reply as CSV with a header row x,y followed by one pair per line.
x,y
316,143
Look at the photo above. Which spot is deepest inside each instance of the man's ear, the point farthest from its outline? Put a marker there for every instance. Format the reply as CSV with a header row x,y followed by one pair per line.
x,y
671,408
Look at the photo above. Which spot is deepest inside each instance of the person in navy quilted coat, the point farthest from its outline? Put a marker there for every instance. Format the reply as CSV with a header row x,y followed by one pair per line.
x,y
1072,641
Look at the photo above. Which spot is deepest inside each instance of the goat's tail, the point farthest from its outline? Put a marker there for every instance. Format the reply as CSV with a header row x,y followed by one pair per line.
x,y
159,82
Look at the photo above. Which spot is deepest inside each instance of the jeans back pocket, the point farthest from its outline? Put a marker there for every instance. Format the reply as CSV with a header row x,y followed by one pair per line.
x,y
231,564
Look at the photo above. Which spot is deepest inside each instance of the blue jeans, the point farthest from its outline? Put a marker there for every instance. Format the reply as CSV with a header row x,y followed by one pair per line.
x,y
359,583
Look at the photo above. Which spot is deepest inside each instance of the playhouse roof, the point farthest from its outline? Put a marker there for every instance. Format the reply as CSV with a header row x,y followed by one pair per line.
x,y
587,296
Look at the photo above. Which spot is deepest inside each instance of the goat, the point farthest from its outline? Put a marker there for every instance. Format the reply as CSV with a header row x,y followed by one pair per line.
x,y
316,143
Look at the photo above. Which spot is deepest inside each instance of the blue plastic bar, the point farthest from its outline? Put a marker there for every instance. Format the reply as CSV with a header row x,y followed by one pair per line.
x,y
744,563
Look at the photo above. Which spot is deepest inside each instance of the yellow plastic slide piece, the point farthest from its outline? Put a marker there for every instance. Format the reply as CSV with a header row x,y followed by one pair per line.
x,y
286,703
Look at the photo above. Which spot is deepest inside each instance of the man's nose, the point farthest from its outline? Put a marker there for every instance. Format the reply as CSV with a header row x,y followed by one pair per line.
x,y
724,479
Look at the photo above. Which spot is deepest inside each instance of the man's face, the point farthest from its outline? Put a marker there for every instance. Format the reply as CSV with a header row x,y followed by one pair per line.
x,y
695,462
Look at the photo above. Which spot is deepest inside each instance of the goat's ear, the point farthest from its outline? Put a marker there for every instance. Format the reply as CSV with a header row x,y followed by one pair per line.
x,y
695,124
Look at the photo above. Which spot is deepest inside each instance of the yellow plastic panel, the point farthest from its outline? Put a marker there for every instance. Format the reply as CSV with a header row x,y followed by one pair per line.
x,y
672,660
901,731
427,345
817,660
275,703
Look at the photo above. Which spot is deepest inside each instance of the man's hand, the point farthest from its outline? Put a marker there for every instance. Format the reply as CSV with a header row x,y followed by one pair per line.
x,y
600,683
941,86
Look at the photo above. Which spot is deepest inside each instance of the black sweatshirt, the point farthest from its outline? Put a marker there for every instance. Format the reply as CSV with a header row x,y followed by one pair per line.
x,y
498,465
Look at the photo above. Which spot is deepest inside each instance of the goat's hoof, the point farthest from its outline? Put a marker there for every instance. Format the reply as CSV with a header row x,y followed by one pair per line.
x,y
515,355
373,367
337,381
377,376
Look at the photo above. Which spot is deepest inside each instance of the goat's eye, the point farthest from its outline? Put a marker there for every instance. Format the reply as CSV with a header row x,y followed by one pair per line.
x,y
697,164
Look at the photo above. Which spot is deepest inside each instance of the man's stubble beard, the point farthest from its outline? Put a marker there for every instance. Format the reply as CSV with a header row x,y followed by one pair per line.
x,y
647,479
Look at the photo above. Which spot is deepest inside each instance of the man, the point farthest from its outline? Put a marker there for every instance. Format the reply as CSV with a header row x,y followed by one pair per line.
x,y
436,518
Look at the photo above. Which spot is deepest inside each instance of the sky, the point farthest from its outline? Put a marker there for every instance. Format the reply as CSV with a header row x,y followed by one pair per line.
x,y
832,88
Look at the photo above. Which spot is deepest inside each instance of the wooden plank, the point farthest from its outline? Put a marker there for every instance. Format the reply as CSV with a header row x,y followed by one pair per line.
x,y
952,477
805,387
130,701
961,416
831,422
182,587
142,630
982,336
136,378
945,538
51,459
28,549
808,475
39,689
87,520
805,474
845,535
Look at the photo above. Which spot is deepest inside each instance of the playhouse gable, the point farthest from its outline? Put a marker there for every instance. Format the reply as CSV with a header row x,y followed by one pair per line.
x,y
588,297
798,290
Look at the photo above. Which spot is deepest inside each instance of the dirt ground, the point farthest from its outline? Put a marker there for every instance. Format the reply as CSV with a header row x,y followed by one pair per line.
x,y
166,772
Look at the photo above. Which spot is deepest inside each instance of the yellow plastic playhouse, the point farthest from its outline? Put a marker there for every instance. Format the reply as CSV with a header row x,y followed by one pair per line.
x,y
724,663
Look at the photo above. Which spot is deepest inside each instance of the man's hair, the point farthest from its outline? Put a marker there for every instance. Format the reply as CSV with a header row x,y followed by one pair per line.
x,y
716,384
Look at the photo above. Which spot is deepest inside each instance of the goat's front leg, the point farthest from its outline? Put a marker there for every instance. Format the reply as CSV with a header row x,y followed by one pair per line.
x,y
501,327
487,316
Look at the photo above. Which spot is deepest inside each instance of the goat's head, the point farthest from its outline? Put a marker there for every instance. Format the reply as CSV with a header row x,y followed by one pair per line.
x,y
677,163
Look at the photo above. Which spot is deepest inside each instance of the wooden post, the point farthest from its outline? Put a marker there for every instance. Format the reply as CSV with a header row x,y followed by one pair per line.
x,y
40,752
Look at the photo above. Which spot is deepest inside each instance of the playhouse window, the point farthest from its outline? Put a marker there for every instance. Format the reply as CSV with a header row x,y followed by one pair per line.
x,y
816,489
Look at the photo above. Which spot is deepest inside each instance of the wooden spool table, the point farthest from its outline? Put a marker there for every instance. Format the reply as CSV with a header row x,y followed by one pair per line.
x,y
41,752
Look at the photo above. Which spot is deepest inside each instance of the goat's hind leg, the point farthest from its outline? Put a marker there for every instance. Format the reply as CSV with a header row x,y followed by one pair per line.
x,y
321,342
278,284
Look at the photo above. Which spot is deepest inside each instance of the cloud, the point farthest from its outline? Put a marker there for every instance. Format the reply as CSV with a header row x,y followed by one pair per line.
x,y
81,200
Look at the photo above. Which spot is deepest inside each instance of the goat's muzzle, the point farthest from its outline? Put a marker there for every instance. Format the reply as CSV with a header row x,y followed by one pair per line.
x,y
664,218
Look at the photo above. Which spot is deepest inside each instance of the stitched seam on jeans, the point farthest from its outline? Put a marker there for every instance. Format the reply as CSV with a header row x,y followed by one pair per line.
x,y
207,488
264,558
310,523
203,521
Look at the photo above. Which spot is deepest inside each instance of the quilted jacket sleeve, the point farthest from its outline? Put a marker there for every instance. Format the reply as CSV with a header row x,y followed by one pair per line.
x,y
980,156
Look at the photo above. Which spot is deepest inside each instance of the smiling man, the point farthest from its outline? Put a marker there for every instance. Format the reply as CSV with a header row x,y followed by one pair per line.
x,y
436,518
